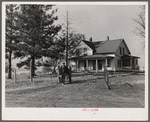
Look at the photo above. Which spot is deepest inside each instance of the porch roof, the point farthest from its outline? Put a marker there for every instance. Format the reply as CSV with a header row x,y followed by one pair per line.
x,y
91,57
128,57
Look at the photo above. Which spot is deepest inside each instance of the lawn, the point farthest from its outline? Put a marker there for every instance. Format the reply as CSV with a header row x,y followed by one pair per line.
x,y
86,91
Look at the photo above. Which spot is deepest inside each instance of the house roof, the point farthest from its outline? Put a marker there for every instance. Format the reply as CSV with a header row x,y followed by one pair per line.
x,y
91,57
110,46
106,47
128,57
90,44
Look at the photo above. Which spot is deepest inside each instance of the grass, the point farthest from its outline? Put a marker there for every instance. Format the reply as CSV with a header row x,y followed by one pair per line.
x,y
86,90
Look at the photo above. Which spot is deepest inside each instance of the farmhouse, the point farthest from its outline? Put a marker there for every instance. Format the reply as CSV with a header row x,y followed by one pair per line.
x,y
95,55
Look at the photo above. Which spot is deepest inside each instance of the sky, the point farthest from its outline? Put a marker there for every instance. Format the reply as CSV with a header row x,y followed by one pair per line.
x,y
100,21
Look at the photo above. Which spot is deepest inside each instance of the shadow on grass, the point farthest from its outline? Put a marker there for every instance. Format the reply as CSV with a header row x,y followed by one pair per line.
x,y
87,80
23,91
45,75
78,81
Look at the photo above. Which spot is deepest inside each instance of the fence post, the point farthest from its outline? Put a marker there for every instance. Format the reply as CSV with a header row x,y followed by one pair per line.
x,y
106,77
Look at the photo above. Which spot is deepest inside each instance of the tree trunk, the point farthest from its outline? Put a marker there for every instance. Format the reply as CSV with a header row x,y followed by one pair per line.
x,y
10,50
9,70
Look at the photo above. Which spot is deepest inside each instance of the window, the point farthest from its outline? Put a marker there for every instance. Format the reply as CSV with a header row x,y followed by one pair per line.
x,y
120,50
123,51
136,62
85,51
119,63
77,52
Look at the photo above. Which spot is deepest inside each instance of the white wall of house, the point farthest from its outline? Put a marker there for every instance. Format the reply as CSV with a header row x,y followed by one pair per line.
x,y
116,62
112,64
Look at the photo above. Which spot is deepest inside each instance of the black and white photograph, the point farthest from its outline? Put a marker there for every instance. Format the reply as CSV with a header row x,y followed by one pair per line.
x,y
75,61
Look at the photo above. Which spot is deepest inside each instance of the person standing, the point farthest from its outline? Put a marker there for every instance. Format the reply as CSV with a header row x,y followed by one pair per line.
x,y
59,73
64,71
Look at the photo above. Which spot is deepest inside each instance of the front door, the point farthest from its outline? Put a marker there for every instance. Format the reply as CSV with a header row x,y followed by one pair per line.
x,y
85,64
94,65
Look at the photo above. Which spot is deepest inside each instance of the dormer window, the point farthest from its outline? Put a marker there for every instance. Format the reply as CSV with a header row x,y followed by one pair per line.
x,y
123,51
120,50
77,52
85,51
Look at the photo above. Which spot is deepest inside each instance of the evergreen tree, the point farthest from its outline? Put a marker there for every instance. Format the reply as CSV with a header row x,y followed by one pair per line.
x,y
59,45
37,30
11,33
74,40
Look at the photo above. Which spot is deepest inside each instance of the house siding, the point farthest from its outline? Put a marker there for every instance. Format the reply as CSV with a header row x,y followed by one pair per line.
x,y
113,64
116,62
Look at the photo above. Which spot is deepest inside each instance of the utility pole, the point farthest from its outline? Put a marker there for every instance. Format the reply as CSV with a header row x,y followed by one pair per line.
x,y
106,75
67,39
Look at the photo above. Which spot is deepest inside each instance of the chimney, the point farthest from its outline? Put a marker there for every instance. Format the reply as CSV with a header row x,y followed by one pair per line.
x,y
90,39
107,38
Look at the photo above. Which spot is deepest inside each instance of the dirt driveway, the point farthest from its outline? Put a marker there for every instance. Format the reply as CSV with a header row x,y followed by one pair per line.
x,y
86,91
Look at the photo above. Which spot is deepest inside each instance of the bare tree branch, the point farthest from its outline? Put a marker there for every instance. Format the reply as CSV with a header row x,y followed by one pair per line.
x,y
140,23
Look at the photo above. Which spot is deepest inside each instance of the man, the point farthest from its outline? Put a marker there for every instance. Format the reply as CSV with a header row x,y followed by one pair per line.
x,y
59,73
64,71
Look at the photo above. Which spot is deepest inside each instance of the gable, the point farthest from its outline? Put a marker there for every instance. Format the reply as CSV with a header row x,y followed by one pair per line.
x,y
82,45
123,49
89,44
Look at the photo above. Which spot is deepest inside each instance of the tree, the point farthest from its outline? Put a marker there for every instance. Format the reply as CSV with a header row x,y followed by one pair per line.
x,y
65,44
140,23
11,33
60,46
72,39
36,34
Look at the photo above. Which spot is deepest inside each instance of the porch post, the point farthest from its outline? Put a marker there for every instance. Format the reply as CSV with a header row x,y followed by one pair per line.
x,y
131,63
96,66
77,65
87,64
106,62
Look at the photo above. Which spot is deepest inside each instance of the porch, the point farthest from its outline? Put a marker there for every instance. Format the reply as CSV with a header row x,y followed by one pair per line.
x,y
93,63
130,62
